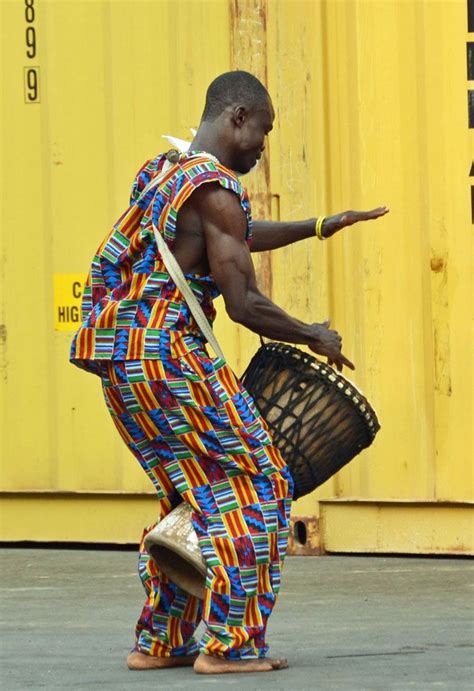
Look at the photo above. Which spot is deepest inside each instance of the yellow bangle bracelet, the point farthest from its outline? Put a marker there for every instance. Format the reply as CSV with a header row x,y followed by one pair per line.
x,y
319,226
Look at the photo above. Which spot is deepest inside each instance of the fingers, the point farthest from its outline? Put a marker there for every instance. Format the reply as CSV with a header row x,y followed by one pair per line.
x,y
351,217
339,362
348,218
376,213
328,342
343,361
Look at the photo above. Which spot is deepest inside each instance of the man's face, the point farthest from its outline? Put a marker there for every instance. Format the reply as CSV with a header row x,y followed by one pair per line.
x,y
250,136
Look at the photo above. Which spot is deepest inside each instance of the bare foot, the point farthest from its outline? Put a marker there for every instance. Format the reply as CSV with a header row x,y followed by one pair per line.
x,y
139,661
206,664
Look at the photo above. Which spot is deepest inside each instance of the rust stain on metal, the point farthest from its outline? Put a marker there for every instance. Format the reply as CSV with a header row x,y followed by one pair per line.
x,y
457,549
437,264
441,322
249,52
305,537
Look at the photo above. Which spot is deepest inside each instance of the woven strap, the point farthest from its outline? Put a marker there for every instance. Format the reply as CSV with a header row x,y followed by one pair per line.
x,y
177,275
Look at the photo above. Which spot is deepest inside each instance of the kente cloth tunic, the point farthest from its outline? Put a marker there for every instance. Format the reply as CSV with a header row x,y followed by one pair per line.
x,y
131,309
190,423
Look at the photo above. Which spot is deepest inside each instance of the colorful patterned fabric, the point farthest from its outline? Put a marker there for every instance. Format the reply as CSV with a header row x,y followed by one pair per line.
x,y
129,300
198,436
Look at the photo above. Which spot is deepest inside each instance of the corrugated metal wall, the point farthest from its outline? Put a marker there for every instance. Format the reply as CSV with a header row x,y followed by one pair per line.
x,y
371,109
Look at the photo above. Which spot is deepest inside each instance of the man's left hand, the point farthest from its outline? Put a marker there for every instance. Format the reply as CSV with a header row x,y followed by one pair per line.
x,y
332,224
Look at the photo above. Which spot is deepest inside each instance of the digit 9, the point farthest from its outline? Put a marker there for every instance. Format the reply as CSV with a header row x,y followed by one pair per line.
x,y
32,84
31,41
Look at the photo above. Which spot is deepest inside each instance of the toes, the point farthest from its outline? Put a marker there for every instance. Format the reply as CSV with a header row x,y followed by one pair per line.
x,y
207,664
280,664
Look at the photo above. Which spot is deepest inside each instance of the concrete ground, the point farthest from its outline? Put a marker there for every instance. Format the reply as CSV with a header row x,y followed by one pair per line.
x,y
343,622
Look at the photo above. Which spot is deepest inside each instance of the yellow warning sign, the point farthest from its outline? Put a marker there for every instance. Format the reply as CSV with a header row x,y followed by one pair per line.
x,y
67,301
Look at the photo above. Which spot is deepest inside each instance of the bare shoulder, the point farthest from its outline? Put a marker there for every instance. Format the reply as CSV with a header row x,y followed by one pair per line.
x,y
219,207
210,223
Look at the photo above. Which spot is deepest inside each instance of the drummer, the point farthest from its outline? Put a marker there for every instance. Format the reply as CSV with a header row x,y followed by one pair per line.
x,y
184,415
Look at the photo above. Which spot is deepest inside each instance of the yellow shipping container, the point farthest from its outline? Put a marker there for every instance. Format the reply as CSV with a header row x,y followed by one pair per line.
x,y
372,101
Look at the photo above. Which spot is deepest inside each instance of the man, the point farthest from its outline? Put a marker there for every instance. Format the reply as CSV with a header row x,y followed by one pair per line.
x,y
186,417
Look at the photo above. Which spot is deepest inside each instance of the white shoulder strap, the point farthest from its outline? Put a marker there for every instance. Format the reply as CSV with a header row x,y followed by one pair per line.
x,y
177,275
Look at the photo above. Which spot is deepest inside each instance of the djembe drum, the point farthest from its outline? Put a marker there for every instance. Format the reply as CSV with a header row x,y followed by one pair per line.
x,y
318,420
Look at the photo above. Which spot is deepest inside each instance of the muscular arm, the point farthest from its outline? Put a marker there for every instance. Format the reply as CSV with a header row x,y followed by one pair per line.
x,y
224,227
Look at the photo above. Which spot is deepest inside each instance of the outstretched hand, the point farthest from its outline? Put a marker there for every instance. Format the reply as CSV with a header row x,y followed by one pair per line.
x,y
332,224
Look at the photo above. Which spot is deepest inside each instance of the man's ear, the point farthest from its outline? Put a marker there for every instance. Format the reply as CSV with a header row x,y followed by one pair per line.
x,y
239,115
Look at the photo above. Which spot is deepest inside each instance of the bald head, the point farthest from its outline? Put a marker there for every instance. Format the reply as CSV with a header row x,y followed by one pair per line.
x,y
231,89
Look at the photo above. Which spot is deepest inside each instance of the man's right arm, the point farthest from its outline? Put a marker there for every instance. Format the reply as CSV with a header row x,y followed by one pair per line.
x,y
224,226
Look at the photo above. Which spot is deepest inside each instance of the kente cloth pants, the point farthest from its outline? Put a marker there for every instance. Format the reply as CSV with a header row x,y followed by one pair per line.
x,y
198,436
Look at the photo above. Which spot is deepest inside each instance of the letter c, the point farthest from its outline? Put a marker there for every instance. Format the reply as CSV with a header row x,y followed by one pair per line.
x,y
76,289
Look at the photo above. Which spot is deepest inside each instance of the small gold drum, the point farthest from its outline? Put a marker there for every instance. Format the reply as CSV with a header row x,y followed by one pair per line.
x,y
173,544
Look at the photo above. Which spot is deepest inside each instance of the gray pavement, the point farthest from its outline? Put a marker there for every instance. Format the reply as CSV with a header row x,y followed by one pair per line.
x,y
343,622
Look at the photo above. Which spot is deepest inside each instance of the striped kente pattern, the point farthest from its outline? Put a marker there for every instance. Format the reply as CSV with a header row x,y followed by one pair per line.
x,y
198,436
129,298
